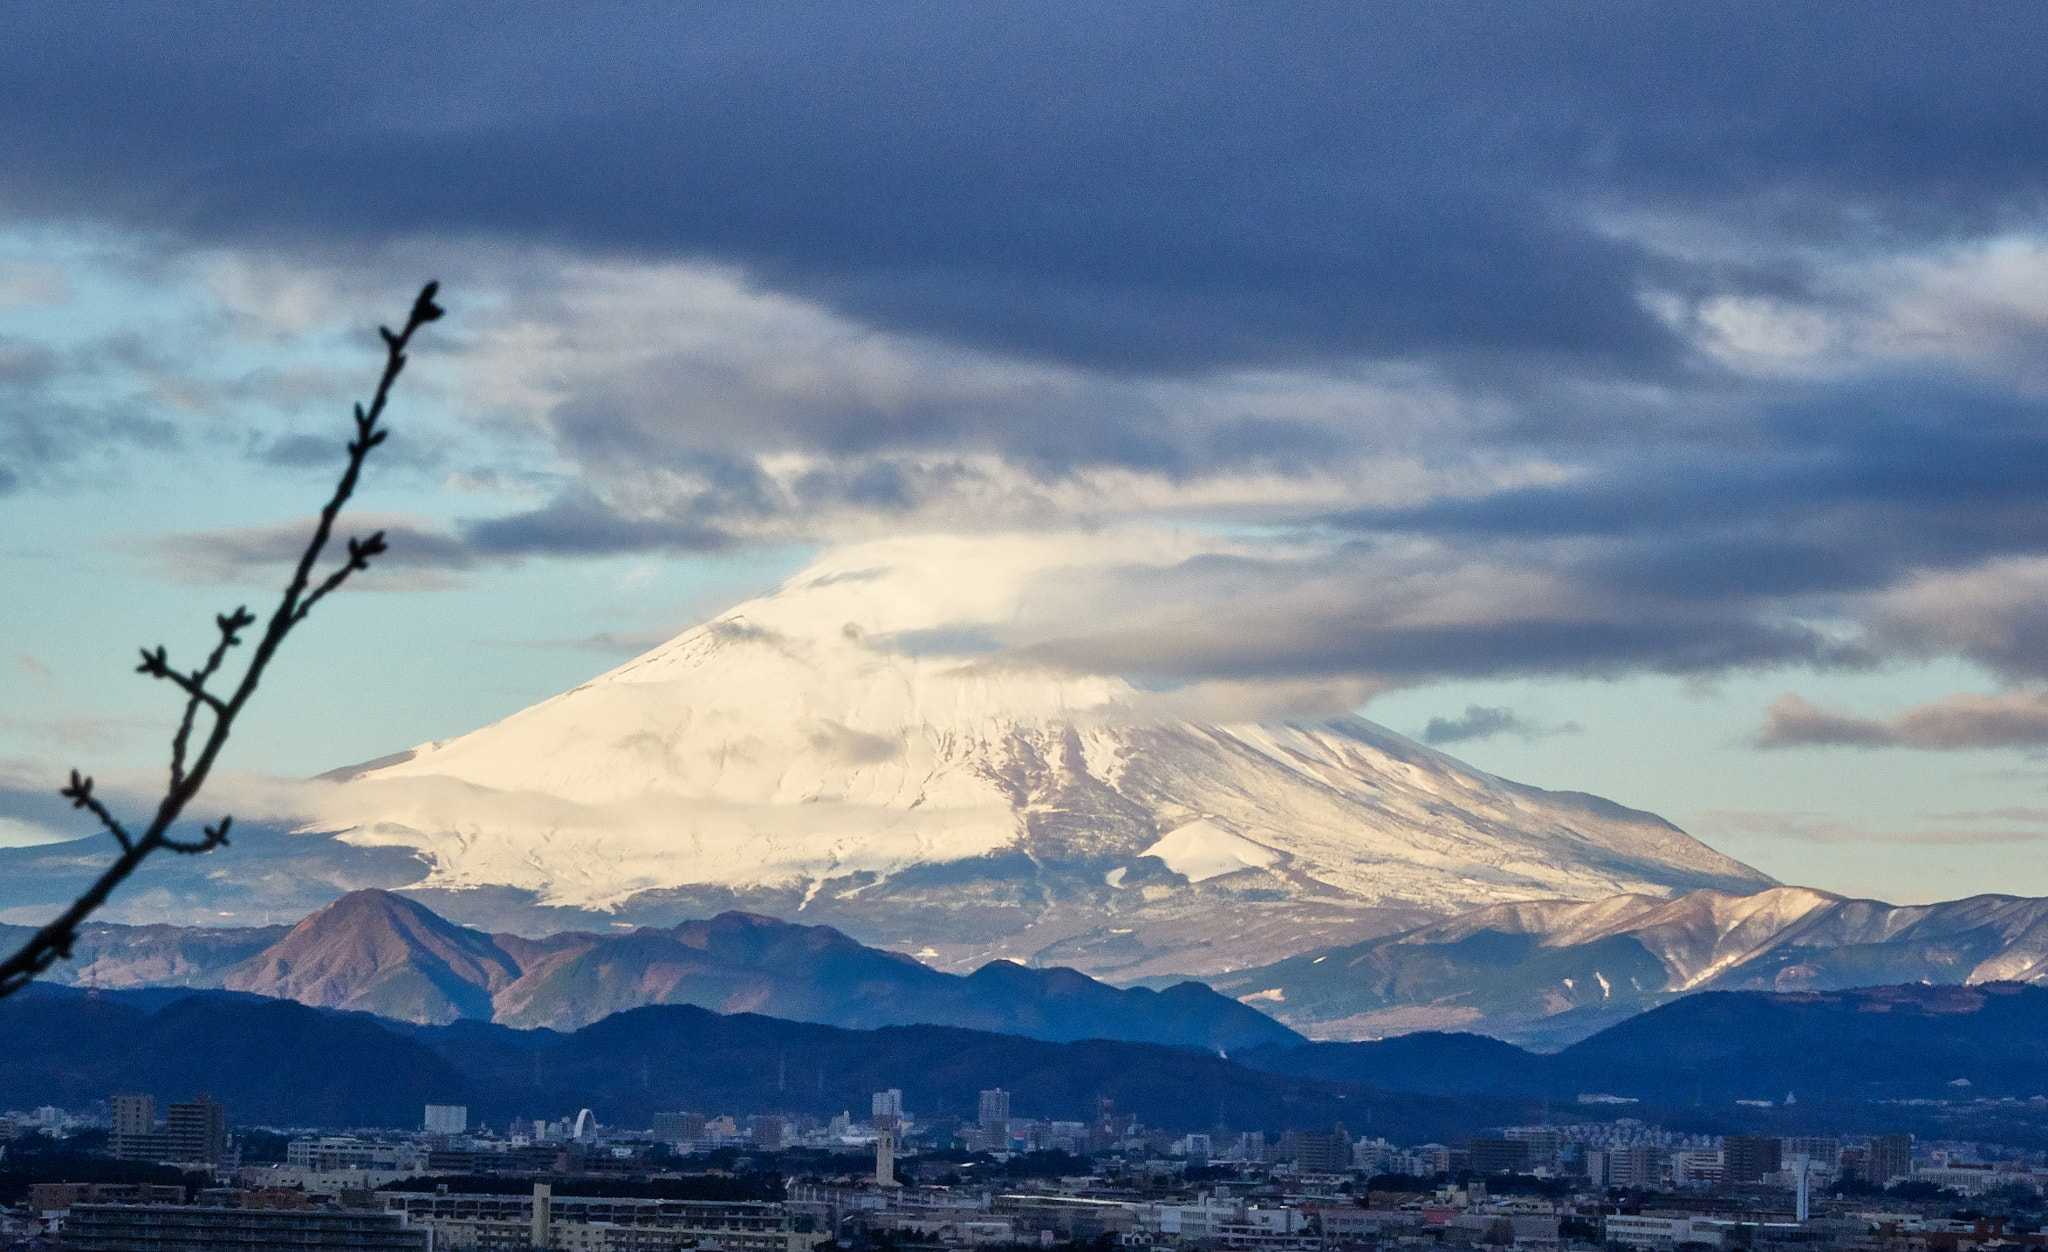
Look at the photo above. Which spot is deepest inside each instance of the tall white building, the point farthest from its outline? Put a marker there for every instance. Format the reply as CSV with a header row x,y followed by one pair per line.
x,y
446,1119
1374,1156
885,1157
1695,1167
995,1111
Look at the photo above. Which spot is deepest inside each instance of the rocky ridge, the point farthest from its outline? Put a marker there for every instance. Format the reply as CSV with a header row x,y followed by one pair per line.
x,y
377,952
1549,972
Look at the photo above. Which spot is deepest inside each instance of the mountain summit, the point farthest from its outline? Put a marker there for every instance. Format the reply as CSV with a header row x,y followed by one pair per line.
x,y
376,952
381,953
850,750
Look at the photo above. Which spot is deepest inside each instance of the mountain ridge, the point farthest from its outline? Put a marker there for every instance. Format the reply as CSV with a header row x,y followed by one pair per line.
x,y
1877,1045
1875,1059
1539,973
379,952
1552,971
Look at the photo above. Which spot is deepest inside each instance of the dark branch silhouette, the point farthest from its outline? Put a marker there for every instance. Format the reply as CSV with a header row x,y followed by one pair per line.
x,y
189,771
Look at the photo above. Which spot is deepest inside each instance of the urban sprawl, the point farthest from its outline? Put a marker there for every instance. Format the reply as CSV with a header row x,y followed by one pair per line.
x,y
120,1176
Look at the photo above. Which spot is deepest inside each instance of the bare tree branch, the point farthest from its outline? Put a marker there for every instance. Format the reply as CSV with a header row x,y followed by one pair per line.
x,y
231,625
81,797
216,837
188,772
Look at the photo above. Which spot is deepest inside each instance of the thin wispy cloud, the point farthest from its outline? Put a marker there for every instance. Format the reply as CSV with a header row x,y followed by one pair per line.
x,y
2009,814
1823,828
2012,719
75,731
1478,722
621,642
416,547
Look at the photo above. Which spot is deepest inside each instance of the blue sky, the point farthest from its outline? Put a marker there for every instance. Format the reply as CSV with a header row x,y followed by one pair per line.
x,y
1637,398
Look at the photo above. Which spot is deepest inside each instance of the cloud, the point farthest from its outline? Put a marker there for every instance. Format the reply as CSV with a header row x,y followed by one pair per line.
x,y
1995,613
2010,814
1823,828
31,811
29,285
83,393
1480,722
1783,500
1793,721
1236,702
1684,341
623,642
1800,827
15,833
76,730
1163,188
691,412
416,545
585,525
1233,628
1401,615
1953,722
53,431
696,408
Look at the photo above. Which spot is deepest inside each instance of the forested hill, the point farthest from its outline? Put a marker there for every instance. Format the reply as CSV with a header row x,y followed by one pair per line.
x,y
1847,1056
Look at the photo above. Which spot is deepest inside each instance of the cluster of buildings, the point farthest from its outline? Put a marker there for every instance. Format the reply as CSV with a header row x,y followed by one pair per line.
x,y
1628,1154
195,1131
994,1129
573,1183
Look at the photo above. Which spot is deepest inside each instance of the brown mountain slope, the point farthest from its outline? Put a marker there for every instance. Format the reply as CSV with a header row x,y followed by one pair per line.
x,y
381,953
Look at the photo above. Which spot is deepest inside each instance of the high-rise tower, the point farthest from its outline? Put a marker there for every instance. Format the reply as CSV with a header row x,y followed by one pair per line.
x,y
995,1112
885,1157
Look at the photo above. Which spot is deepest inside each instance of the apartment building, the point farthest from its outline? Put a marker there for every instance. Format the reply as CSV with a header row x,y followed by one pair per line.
x,y
486,1223
189,1228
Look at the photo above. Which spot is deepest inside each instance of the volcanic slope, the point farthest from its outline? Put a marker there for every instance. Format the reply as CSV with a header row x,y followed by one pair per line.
x,y
837,752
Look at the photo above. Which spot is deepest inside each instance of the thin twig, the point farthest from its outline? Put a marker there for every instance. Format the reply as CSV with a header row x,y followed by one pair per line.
x,y
56,939
81,797
230,625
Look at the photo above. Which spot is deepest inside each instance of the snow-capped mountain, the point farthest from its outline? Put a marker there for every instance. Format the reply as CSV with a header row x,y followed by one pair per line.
x,y
1553,971
849,750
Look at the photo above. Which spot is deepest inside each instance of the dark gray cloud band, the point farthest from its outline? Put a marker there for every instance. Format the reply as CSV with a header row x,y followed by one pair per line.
x,y
1486,202
1168,186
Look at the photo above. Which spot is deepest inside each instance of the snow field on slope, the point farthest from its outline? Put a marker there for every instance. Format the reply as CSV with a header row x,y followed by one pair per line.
x,y
799,738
